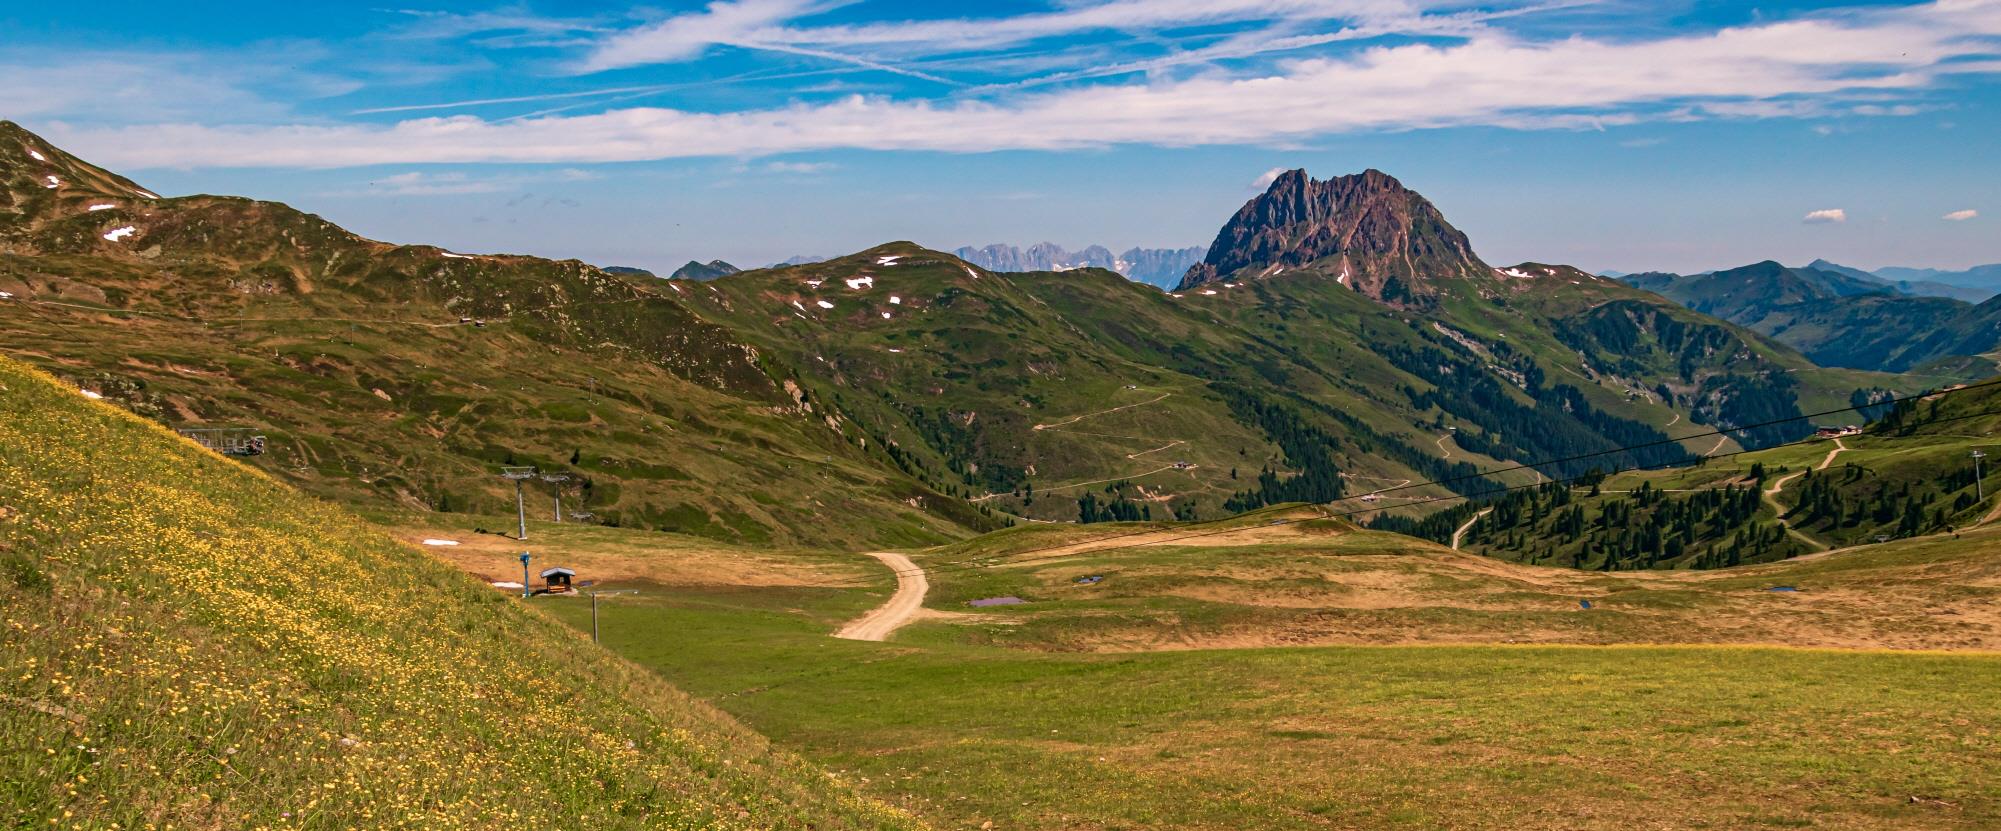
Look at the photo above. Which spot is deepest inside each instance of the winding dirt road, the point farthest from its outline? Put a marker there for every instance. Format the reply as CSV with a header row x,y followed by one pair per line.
x,y
901,608
1461,532
1771,495
1075,419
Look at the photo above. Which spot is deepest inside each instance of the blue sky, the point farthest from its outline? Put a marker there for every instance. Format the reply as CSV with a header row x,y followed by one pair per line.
x,y
1616,134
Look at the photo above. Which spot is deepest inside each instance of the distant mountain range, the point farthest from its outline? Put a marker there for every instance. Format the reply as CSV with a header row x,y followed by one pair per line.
x,y
1972,285
1841,316
1986,277
1924,282
1160,267
1339,335
710,270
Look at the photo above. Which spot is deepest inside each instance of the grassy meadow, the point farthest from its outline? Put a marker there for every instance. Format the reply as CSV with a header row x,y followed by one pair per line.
x,y
1681,700
193,645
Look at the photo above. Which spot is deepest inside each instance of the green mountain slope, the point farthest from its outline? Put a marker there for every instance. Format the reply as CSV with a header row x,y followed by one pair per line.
x,y
1919,288
1348,339
407,374
194,645
1911,474
1834,316
699,271
1031,392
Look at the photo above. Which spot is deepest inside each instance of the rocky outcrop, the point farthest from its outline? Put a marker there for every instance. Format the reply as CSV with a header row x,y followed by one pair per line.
x,y
1367,231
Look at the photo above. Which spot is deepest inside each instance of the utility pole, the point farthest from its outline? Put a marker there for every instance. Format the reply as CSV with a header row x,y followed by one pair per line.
x,y
519,475
557,479
525,589
594,608
1979,486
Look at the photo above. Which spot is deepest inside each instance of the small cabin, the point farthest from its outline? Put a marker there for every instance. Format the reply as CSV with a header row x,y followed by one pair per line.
x,y
557,580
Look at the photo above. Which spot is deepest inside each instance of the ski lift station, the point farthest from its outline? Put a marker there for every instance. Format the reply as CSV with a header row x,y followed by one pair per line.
x,y
229,441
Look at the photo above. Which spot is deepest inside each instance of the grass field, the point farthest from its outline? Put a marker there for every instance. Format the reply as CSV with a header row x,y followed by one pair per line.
x,y
1361,737
1156,699
193,645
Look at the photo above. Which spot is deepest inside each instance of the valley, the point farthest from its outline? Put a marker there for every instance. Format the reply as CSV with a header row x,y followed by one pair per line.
x,y
1343,527
1168,691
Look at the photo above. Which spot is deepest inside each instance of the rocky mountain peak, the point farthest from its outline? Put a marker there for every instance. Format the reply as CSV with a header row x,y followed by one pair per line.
x,y
1365,230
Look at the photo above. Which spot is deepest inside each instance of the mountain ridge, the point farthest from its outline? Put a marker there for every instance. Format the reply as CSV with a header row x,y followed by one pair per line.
x,y
929,398
1837,315
700,271
1159,267
1383,239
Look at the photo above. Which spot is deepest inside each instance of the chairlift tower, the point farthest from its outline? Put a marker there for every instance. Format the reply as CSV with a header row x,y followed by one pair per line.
x,y
520,475
557,479
1979,486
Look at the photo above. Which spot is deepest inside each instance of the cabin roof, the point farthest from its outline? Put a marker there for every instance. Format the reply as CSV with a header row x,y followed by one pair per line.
x,y
551,572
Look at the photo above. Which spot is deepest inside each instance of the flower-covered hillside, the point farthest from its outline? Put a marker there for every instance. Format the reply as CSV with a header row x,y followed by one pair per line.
x,y
190,644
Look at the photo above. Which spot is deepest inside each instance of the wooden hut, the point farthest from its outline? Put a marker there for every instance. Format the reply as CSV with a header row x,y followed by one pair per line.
x,y
557,580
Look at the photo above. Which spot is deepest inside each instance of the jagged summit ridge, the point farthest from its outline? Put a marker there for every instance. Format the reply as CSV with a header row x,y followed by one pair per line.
x,y
1366,230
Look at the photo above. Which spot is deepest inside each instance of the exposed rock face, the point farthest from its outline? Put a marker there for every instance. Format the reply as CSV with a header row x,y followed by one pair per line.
x,y
1042,256
1367,230
1154,266
1161,267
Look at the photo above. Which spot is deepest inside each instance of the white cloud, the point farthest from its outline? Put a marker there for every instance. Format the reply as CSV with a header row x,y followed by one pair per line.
x,y
1265,179
1784,69
128,86
799,168
685,36
1827,216
418,183
440,25
1961,216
